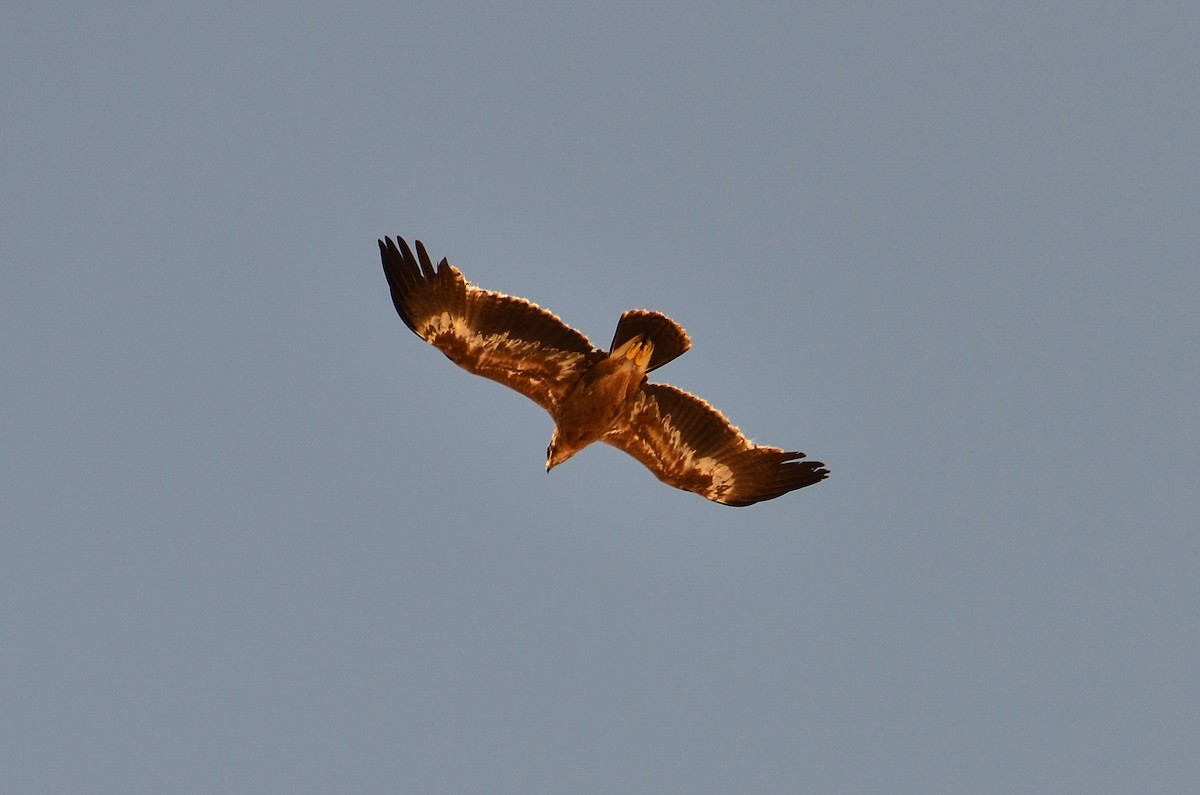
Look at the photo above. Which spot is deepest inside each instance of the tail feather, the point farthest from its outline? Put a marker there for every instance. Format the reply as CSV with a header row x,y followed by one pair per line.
x,y
668,337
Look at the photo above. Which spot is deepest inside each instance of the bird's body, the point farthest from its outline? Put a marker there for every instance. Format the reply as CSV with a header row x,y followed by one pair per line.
x,y
592,395
599,398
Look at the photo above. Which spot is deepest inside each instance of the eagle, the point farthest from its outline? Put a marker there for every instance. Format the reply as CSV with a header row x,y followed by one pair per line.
x,y
592,395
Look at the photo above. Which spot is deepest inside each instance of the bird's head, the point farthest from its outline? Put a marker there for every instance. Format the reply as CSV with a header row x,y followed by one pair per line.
x,y
559,450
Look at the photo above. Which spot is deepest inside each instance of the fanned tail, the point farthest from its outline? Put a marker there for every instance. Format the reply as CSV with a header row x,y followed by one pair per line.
x,y
668,337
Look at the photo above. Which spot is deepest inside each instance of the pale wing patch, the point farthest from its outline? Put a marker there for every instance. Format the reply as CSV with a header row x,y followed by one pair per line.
x,y
655,439
684,462
538,372
501,337
721,474
687,443
445,323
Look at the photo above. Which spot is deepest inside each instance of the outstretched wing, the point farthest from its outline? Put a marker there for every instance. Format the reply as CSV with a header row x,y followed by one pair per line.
x,y
501,337
688,444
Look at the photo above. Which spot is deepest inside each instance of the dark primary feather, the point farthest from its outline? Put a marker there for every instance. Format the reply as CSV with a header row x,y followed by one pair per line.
x,y
497,336
689,444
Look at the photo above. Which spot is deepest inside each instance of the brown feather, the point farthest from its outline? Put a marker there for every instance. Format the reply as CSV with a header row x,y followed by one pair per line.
x,y
497,336
689,444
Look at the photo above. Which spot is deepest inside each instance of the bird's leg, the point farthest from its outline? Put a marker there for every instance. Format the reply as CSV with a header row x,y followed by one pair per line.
x,y
638,350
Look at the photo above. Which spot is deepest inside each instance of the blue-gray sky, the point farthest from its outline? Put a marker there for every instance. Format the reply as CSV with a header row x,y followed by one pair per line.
x,y
259,538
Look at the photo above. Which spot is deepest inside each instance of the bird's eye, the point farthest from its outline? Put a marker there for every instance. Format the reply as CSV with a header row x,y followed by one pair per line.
x,y
548,448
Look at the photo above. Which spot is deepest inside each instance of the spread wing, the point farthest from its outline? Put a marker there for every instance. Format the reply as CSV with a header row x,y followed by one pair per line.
x,y
688,444
497,336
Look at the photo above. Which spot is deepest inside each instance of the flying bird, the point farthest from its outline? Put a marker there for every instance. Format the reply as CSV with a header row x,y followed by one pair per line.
x,y
592,395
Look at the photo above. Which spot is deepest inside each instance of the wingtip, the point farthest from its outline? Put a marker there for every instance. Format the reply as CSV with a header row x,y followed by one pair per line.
x,y
396,269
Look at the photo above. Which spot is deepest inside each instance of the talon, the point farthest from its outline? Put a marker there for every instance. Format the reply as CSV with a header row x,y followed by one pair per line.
x,y
643,353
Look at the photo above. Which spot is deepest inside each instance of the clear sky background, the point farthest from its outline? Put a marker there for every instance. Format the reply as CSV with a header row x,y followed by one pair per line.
x,y
257,537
